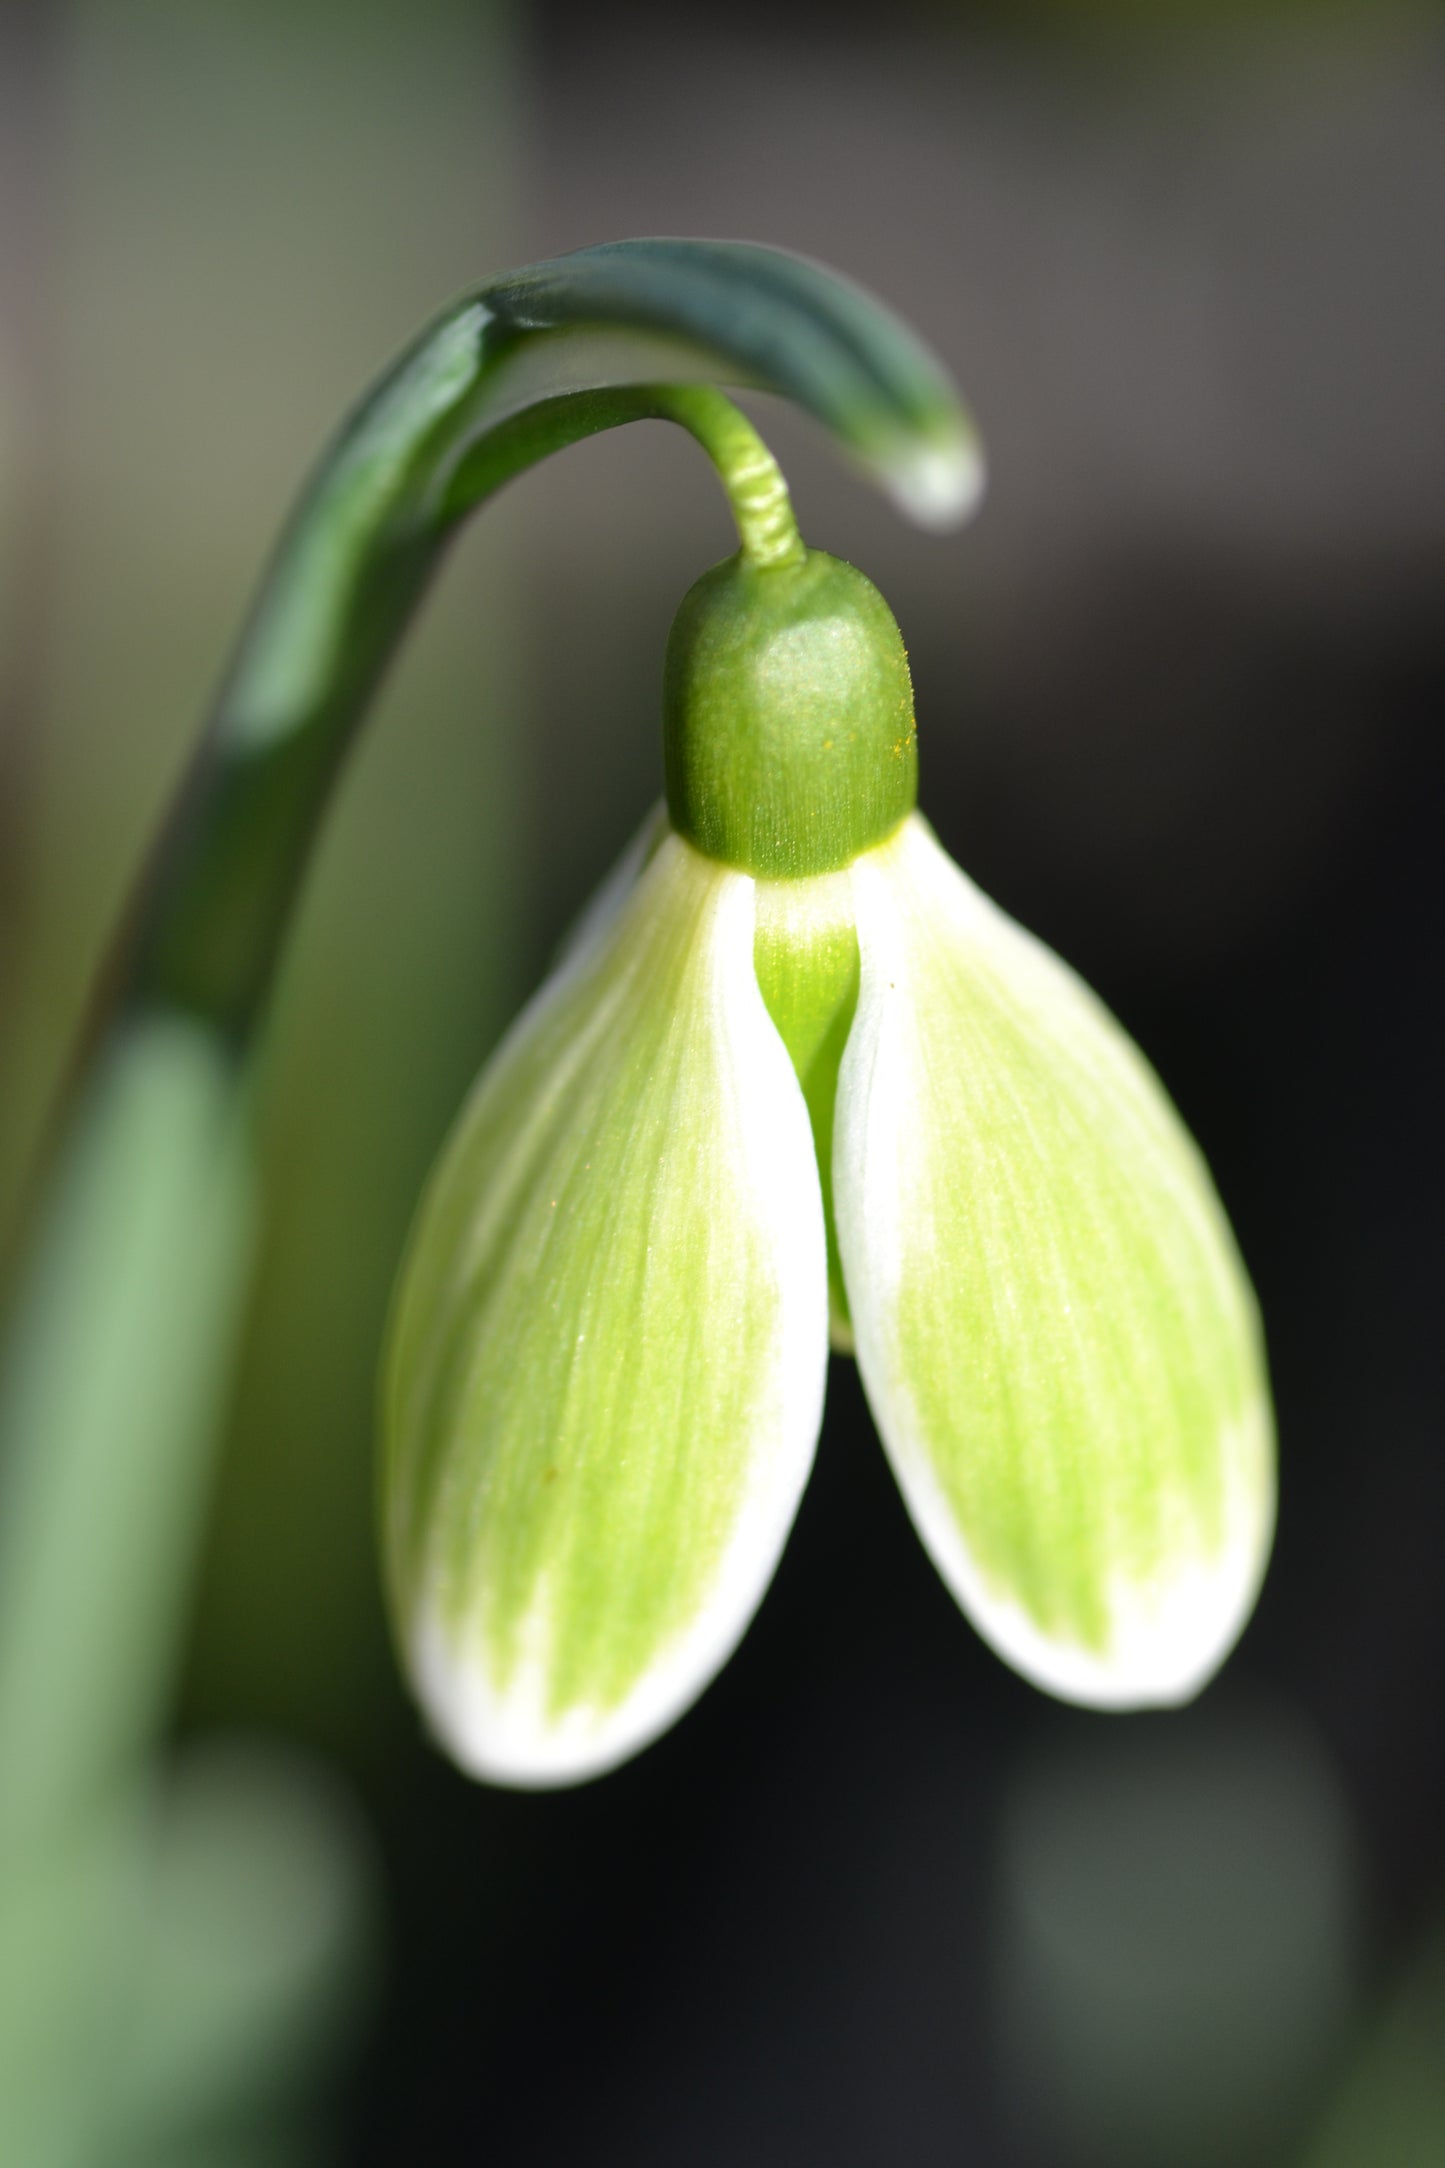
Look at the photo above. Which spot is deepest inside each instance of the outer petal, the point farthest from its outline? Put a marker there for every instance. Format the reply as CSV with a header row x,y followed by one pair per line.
x,y
607,1361
1054,1328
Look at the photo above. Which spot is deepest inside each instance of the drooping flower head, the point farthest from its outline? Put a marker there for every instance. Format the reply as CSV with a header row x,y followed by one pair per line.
x,y
795,1069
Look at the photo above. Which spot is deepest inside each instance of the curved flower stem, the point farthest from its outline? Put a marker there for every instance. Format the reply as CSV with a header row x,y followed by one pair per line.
x,y
206,930
751,478
747,469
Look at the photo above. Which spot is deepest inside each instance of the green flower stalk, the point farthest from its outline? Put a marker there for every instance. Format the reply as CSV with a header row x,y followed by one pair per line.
x,y
795,1069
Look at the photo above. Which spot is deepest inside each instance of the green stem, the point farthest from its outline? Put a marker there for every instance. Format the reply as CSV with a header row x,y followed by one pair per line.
x,y
751,478
748,471
534,362
207,929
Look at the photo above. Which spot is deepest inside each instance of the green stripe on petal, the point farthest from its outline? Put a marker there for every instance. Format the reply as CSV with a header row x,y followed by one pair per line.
x,y
1054,1328
606,1369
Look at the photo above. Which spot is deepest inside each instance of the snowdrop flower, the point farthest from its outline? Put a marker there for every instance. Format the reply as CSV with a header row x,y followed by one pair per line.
x,y
797,1070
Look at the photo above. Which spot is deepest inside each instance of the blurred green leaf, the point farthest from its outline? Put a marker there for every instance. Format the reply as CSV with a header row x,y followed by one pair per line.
x,y
68,1913
114,1378
1178,1923
257,1955
1388,2110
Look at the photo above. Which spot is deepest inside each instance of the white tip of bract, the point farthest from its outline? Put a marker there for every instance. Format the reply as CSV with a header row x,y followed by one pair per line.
x,y
1053,1326
940,486
607,1360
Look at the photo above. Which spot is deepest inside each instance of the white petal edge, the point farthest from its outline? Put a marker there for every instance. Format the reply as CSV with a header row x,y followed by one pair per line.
x,y
510,1736
1167,1640
597,917
1167,1643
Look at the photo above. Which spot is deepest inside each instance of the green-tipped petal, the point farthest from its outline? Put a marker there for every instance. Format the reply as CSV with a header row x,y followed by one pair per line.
x,y
1056,1334
607,1362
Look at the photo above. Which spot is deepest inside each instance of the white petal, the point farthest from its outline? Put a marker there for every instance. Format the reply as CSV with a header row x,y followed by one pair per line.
x,y
607,1367
1055,1331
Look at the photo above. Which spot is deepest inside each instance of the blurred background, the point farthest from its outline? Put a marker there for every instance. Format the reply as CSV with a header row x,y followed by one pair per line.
x,y
1179,696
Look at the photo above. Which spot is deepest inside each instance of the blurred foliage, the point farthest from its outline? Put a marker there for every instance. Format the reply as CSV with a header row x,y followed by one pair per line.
x,y
1162,19
253,215
1178,1935
184,1969
223,263
1388,2109
257,1956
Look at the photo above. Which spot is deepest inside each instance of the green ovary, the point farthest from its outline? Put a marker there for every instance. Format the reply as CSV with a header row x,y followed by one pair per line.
x,y
788,735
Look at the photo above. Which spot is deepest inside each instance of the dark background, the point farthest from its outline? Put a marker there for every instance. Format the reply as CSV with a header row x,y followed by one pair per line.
x,y
1179,696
